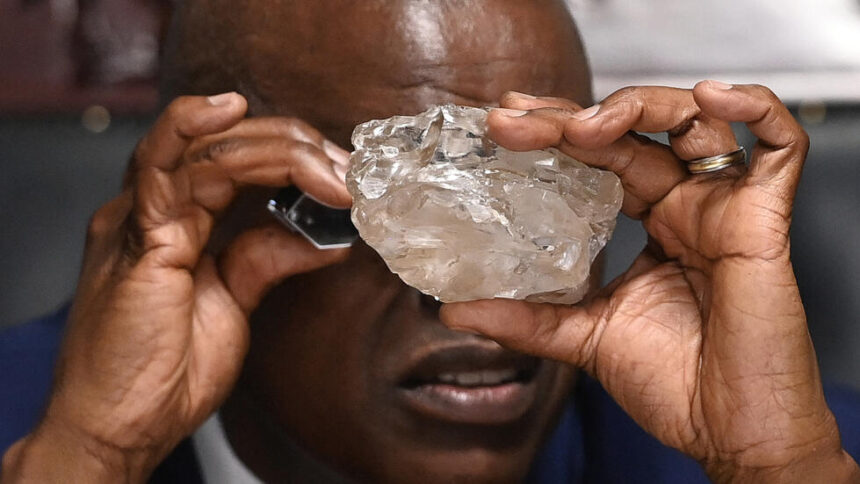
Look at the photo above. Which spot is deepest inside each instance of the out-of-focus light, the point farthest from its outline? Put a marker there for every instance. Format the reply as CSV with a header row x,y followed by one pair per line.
x,y
96,119
812,112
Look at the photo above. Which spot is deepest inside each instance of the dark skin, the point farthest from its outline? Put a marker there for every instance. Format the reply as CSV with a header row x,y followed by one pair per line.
x,y
375,339
328,348
159,329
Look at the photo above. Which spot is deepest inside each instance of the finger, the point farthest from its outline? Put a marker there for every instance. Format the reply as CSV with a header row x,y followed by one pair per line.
x,y
223,332
563,333
520,130
262,257
103,244
692,133
527,102
653,109
783,144
103,230
175,211
648,169
273,162
269,127
185,118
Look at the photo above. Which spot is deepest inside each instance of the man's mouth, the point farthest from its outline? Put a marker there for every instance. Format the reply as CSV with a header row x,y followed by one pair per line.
x,y
472,383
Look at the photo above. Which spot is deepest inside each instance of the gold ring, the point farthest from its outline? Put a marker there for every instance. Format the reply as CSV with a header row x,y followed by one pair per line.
x,y
717,163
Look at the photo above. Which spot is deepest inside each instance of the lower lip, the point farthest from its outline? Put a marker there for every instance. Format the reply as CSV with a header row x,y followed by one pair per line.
x,y
491,405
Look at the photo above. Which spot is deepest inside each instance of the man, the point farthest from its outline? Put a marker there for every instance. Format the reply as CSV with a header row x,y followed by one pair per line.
x,y
325,366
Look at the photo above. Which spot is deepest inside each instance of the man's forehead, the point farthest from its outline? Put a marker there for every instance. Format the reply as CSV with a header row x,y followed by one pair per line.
x,y
335,104
339,66
410,39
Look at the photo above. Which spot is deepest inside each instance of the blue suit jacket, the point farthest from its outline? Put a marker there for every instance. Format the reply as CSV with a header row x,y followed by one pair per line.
x,y
594,442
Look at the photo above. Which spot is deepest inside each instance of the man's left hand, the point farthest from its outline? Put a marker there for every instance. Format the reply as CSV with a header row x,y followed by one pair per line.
x,y
703,341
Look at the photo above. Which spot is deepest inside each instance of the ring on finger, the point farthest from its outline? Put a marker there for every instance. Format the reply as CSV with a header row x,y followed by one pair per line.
x,y
711,164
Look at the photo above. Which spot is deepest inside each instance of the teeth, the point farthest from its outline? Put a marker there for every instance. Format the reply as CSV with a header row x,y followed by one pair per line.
x,y
470,379
478,378
447,377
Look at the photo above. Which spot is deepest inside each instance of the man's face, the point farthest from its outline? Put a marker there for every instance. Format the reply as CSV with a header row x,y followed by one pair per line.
x,y
353,364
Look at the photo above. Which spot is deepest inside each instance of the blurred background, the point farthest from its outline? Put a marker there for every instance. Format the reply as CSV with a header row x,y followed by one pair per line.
x,y
78,89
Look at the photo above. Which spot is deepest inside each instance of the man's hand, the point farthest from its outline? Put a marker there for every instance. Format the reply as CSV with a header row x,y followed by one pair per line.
x,y
703,341
158,329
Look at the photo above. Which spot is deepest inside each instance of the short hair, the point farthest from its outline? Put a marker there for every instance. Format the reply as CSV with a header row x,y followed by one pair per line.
x,y
199,56
203,49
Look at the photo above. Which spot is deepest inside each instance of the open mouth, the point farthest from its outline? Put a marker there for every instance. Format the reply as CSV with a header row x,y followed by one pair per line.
x,y
472,384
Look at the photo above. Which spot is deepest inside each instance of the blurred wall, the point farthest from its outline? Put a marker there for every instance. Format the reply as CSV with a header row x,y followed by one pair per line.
x,y
54,173
65,55
77,89
803,49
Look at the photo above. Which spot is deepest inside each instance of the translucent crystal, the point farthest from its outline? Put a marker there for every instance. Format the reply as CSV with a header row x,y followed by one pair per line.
x,y
461,218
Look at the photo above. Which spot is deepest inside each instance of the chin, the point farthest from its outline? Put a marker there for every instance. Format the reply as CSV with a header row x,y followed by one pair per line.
x,y
475,465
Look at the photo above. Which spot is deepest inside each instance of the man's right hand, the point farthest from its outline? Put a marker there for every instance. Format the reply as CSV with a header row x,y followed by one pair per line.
x,y
158,329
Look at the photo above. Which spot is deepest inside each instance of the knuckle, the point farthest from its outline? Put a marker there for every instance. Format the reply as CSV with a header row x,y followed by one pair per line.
x,y
631,102
802,137
278,124
290,124
301,130
304,151
508,98
173,117
631,95
765,93
173,112
303,161
105,220
688,122
99,225
178,107
802,141
622,160
179,113
218,150
558,112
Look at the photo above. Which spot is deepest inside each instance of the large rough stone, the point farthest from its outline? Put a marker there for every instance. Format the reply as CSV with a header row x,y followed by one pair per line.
x,y
460,218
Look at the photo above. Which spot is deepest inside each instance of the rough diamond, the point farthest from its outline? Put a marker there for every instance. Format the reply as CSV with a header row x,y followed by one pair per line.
x,y
461,218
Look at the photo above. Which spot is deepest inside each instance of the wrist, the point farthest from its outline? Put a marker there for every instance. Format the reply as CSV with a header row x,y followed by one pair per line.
x,y
836,468
55,452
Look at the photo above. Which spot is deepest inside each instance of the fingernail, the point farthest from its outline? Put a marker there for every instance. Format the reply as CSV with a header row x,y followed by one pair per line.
x,y
720,85
586,113
221,99
521,95
340,171
336,153
511,113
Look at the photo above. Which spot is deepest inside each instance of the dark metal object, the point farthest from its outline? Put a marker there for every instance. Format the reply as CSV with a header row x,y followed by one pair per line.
x,y
325,227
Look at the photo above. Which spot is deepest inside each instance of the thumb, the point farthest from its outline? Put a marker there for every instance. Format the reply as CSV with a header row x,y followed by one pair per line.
x,y
568,334
262,257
